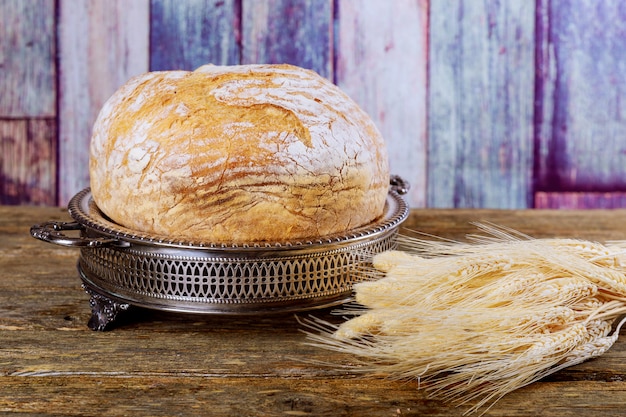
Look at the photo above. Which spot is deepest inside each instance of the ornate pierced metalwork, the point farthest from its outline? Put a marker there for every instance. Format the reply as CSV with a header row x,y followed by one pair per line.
x,y
124,267
201,282
104,310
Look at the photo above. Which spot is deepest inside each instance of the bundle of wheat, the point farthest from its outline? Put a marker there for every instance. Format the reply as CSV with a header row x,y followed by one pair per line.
x,y
474,321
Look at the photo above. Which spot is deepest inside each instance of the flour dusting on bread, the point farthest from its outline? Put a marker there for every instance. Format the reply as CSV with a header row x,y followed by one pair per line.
x,y
235,154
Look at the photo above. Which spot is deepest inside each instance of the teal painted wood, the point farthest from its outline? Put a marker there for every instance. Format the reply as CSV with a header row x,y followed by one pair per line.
x,y
581,122
187,34
381,62
481,82
102,43
297,32
27,59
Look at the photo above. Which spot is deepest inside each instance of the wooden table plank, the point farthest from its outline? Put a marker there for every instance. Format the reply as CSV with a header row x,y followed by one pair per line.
x,y
163,364
113,396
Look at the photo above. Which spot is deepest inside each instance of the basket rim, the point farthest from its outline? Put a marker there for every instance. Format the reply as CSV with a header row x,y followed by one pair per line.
x,y
83,209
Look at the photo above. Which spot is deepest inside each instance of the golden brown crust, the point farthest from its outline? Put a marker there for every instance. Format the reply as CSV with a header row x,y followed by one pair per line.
x,y
237,154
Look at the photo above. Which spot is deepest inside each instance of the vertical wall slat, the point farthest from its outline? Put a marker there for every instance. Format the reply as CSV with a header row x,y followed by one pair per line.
x,y
13,141
187,34
27,64
28,161
473,149
581,123
481,82
288,32
42,162
28,97
381,63
103,43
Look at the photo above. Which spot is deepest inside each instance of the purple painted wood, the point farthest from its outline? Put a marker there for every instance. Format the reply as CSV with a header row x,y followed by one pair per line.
x,y
185,35
580,119
481,78
28,161
289,31
580,200
500,74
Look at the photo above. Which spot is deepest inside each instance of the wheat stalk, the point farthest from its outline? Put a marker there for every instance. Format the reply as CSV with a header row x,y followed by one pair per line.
x,y
473,321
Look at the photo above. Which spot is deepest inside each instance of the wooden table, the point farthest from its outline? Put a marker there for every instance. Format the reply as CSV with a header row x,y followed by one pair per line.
x,y
165,364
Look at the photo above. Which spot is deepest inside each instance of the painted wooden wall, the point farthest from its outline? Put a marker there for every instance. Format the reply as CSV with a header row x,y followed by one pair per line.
x,y
484,103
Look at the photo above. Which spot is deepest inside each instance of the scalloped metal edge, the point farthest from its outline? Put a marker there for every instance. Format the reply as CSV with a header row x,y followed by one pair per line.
x,y
83,209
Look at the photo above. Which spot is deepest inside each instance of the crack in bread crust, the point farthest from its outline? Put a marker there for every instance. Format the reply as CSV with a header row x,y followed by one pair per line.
x,y
237,154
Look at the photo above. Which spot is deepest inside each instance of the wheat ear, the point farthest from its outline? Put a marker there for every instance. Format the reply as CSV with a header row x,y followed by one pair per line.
x,y
473,321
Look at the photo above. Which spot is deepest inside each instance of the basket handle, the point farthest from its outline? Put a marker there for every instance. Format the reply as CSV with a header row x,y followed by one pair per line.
x,y
52,232
399,184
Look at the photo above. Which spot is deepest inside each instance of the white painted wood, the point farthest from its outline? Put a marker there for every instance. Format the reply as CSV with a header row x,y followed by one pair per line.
x,y
381,63
102,44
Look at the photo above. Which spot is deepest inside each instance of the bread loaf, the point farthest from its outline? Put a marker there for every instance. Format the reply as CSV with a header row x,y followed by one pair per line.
x,y
234,154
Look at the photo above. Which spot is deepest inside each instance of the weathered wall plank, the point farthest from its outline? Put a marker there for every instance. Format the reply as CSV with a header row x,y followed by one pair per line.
x,y
481,78
102,44
381,63
581,124
500,104
13,139
28,161
41,182
580,200
28,97
288,31
186,35
27,59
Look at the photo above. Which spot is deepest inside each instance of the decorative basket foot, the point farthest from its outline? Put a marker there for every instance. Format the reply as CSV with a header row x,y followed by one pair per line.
x,y
104,310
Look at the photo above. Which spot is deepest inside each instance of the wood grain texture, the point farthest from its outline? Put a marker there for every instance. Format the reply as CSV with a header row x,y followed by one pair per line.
x,y
28,161
164,364
481,78
482,103
102,44
381,63
298,32
186,35
581,88
580,200
27,59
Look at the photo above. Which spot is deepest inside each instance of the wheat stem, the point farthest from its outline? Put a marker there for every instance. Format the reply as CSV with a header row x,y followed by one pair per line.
x,y
472,321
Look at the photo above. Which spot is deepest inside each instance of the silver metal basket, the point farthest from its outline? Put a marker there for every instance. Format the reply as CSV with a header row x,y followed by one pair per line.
x,y
120,267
